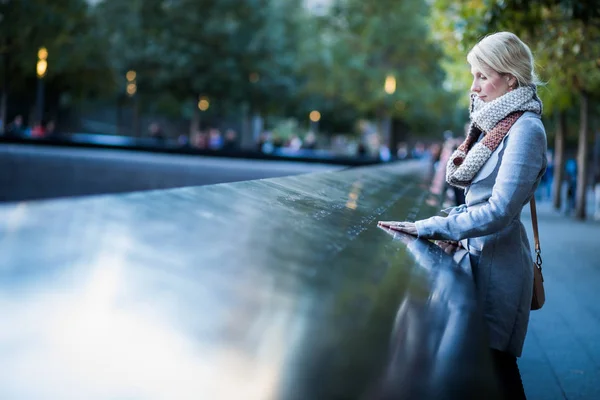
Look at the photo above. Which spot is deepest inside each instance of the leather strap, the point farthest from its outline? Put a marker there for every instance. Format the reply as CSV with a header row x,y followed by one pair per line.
x,y
536,236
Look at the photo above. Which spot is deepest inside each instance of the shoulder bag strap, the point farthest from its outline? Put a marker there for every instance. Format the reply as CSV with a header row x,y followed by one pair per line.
x,y
536,236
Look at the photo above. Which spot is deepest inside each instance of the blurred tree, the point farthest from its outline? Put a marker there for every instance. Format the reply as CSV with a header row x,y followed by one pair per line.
x,y
564,35
228,51
77,65
133,31
364,44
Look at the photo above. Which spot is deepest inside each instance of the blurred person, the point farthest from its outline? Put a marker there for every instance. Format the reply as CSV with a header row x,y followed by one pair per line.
x,y
265,143
435,151
402,151
295,143
500,164
458,192
38,131
262,139
597,194
278,141
310,141
385,154
215,139
339,144
230,141
571,178
199,140
155,131
439,186
16,127
373,145
544,192
361,150
51,131
183,140
418,151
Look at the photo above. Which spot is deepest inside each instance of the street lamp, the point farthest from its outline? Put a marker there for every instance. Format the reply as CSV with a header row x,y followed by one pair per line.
x,y
315,117
131,83
390,88
131,90
390,84
203,103
41,69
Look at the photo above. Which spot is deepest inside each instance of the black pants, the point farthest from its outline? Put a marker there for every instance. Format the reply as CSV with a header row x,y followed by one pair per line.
x,y
508,375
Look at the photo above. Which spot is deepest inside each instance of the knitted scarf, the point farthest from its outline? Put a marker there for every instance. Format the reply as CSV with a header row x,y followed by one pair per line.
x,y
494,119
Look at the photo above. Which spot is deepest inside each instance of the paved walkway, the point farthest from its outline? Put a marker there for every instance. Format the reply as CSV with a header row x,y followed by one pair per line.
x,y
561,358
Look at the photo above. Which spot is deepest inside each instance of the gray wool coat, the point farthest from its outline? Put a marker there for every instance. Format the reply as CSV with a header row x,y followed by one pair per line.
x,y
489,227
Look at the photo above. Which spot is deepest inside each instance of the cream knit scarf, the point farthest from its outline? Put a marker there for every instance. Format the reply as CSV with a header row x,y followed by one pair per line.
x,y
494,119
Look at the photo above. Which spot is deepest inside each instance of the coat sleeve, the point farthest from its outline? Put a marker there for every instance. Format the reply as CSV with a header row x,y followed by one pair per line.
x,y
520,167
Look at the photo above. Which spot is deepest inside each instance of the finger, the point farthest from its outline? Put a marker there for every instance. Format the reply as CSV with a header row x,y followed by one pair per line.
x,y
450,249
387,223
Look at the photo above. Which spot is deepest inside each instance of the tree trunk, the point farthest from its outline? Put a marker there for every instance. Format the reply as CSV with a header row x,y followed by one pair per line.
x,y
596,165
195,121
4,100
119,115
3,121
258,125
582,159
246,139
136,116
559,159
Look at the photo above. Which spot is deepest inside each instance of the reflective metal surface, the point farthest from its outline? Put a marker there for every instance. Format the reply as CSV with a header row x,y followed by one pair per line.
x,y
274,289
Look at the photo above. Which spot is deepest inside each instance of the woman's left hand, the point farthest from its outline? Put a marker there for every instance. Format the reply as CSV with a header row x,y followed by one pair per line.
x,y
406,227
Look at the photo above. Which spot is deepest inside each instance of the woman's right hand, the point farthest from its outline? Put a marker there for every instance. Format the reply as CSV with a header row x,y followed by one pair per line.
x,y
449,246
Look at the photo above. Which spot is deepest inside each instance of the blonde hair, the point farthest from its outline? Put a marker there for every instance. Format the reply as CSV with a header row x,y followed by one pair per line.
x,y
505,53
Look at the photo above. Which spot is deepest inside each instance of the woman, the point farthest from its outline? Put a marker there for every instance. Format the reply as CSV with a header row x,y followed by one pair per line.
x,y
499,165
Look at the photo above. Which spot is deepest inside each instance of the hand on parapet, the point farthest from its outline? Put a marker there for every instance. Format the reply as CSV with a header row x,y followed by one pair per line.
x,y
449,246
405,227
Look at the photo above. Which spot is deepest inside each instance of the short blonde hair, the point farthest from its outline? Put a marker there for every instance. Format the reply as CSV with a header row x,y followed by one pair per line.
x,y
505,53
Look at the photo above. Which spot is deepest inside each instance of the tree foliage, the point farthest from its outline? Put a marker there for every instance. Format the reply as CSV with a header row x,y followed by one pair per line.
x,y
563,35
361,43
276,56
76,62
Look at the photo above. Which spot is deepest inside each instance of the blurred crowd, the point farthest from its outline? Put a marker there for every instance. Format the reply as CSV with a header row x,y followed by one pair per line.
x,y
447,196
366,143
17,128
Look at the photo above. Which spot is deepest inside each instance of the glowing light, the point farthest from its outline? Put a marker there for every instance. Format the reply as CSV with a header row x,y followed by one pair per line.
x,y
203,104
315,116
41,67
42,53
131,89
42,64
130,76
390,84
